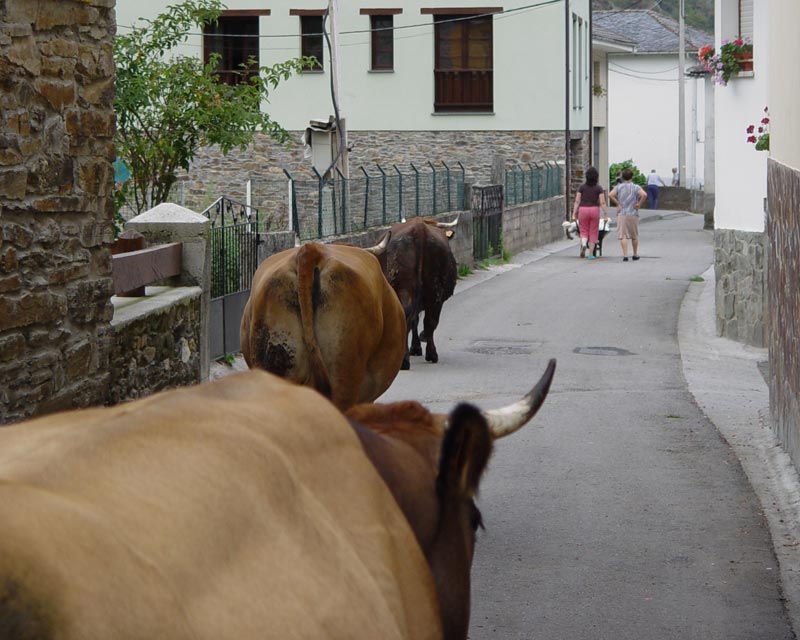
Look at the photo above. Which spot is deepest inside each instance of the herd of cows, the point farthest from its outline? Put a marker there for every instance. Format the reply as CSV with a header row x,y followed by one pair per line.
x,y
276,503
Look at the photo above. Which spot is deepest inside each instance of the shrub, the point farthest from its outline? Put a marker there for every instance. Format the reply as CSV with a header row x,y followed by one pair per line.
x,y
615,169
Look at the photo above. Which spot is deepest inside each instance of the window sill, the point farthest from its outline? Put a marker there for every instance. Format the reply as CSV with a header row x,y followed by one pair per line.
x,y
745,74
463,113
380,70
313,72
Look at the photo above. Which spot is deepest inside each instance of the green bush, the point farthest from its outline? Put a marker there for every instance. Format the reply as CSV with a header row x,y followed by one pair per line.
x,y
615,169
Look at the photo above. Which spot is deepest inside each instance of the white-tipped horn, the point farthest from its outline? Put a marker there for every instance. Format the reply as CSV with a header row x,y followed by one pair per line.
x,y
448,225
379,248
507,420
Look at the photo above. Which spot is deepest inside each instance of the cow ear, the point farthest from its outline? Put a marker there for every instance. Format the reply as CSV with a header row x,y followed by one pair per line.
x,y
466,449
449,233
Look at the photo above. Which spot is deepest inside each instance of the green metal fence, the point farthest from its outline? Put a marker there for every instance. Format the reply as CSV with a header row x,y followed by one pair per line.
x,y
373,197
532,182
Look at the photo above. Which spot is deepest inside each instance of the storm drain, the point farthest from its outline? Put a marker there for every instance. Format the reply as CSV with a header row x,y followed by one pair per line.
x,y
602,351
503,347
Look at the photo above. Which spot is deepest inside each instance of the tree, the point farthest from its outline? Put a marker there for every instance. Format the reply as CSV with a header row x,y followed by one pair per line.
x,y
169,106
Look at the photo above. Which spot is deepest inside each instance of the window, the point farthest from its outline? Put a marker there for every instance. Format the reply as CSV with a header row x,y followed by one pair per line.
x,y
382,58
235,40
311,37
463,62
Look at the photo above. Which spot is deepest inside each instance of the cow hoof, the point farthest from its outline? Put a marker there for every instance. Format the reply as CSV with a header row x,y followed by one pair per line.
x,y
405,366
432,357
415,351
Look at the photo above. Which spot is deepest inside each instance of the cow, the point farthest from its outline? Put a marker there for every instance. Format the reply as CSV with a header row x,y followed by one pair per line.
x,y
421,268
250,507
324,315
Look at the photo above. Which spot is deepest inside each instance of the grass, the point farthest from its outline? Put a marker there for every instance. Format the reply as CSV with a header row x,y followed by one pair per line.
x,y
696,279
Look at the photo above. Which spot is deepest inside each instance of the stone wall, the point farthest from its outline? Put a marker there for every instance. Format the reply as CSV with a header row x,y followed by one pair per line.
x,y
155,342
532,225
783,304
263,162
741,301
56,128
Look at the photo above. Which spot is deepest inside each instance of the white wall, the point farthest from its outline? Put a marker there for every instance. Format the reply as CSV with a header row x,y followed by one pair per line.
x,y
741,171
784,97
643,115
529,82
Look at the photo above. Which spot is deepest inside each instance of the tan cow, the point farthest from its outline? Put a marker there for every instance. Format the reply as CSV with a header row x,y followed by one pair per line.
x,y
324,316
247,508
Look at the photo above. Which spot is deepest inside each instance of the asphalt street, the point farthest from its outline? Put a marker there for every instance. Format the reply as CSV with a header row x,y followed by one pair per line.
x,y
648,499
621,512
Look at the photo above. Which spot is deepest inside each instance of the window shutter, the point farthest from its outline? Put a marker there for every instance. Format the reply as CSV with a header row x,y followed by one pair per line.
x,y
746,19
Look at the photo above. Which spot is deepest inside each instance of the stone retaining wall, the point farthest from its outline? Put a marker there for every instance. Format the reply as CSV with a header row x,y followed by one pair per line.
x,y
783,304
741,301
531,225
156,342
56,129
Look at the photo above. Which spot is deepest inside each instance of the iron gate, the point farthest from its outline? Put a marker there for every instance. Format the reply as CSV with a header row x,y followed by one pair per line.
x,y
487,208
234,259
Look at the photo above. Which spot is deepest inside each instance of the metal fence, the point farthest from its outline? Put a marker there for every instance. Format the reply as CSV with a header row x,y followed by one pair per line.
x,y
369,198
235,231
532,182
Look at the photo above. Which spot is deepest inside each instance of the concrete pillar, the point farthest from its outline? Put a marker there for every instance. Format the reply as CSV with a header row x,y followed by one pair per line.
x,y
167,223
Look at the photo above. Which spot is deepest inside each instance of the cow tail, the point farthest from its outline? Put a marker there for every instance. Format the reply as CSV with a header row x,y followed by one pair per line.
x,y
308,293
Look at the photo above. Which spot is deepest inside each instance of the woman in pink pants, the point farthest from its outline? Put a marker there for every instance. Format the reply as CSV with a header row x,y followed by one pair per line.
x,y
591,197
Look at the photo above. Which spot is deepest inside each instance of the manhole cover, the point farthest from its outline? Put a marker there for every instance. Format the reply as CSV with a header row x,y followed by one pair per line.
x,y
502,348
602,351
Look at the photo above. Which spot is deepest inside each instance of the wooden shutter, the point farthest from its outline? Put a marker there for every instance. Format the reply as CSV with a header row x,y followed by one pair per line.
x,y
746,19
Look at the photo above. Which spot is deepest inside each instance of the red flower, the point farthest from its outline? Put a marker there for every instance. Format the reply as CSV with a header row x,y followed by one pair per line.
x,y
751,128
766,109
738,42
765,121
752,139
761,129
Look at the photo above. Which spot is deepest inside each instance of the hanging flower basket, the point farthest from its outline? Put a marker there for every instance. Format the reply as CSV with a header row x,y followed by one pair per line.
x,y
733,56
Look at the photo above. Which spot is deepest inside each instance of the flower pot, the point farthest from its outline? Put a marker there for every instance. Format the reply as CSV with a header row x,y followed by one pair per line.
x,y
745,61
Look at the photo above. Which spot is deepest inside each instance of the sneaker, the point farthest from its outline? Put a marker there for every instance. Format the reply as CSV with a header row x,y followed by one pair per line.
x,y
635,257
625,259
590,257
583,252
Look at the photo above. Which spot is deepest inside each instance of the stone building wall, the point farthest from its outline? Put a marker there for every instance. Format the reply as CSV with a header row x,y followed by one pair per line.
x,y
213,174
783,304
56,128
741,301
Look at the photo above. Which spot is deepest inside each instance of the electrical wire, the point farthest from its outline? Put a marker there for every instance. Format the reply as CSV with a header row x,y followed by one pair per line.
x,y
640,71
631,75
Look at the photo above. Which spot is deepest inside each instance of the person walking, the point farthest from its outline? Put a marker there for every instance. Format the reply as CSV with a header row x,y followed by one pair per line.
x,y
628,198
591,197
654,181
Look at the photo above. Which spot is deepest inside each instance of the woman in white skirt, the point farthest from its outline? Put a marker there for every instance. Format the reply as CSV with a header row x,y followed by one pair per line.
x,y
628,197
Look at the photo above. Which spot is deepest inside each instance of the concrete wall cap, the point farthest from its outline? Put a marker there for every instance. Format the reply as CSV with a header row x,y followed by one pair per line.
x,y
170,213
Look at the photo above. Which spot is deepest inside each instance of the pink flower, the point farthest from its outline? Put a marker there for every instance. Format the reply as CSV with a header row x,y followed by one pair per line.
x,y
738,42
751,128
752,139
764,120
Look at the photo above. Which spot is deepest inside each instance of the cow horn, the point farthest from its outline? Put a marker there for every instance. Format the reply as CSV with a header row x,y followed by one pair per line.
x,y
448,225
379,248
508,419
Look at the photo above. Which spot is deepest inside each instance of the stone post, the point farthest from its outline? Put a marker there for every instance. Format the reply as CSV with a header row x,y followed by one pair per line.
x,y
167,223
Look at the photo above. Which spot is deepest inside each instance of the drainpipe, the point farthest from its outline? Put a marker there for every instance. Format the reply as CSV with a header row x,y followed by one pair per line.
x,y
567,160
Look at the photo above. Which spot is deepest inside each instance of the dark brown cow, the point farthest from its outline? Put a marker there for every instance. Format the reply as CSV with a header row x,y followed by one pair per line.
x,y
246,508
324,316
421,268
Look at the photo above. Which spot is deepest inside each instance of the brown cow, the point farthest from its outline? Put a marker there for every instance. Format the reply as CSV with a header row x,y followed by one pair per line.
x,y
246,508
421,268
324,316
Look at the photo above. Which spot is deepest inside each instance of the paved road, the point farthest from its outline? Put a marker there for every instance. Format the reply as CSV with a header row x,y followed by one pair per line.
x,y
619,513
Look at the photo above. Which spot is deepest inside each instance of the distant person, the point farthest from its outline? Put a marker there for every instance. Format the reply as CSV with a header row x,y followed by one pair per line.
x,y
654,181
628,198
591,197
676,179
619,179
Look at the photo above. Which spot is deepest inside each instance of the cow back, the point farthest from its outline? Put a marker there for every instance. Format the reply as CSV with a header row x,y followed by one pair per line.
x,y
242,509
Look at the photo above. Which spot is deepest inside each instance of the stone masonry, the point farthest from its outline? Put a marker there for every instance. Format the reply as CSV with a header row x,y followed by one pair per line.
x,y
213,174
740,263
56,149
783,294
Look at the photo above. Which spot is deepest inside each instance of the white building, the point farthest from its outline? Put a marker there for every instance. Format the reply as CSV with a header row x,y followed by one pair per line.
x,y
741,185
459,80
642,88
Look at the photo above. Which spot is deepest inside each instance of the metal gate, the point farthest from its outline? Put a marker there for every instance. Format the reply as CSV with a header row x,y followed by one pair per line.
x,y
234,259
487,210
